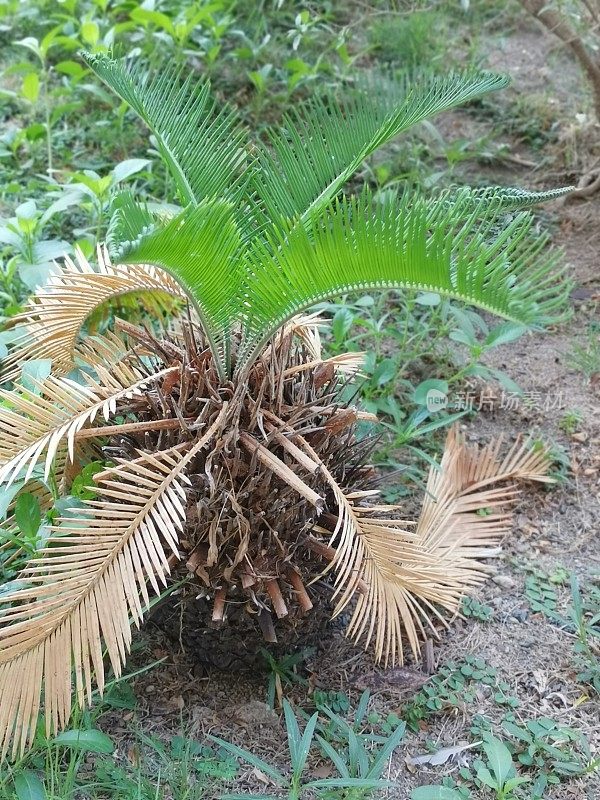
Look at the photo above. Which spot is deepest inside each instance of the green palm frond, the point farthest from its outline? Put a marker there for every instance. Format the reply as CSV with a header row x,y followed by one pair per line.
x,y
463,248
460,244
262,239
129,222
203,147
200,247
322,144
513,198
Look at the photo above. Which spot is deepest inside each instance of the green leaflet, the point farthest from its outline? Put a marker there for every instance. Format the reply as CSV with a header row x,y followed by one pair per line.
x,y
322,144
200,247
463,247
203,147
129,222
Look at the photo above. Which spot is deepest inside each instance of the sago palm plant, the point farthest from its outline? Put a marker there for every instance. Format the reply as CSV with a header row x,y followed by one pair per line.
x,y
229,453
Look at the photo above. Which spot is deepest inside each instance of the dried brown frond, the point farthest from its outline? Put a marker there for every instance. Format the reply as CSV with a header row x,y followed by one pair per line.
x,y
256,495
49,327
412,577
402,578
48,422
83,587
346,363
306,327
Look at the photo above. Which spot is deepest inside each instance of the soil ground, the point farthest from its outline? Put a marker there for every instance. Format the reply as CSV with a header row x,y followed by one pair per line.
x,y
553,528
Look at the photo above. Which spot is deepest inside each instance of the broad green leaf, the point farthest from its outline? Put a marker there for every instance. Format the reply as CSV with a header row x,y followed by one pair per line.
x,y
384,372
341,323
60,110
68,198
428,299
516,731
28,515
7,495
539,787
26,210
430,392
83,484
70,68
31,43
125,169
90,32
149,17
49,39
512,783
120,695
485,776
51,249
9,236
434,793
90,741
499,759
503,334
30,88
465,323
463,337
35,372
34,275
28,786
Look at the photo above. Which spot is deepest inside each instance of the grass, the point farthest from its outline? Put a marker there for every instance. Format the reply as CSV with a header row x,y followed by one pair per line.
x,y
340,749
586,358
61,164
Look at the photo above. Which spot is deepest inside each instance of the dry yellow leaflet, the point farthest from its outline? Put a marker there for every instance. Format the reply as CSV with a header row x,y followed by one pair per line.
x,y
404,577
31,425
82,589
50,325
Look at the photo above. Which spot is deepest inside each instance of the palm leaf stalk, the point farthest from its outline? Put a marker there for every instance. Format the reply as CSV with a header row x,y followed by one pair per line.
x,y
230,452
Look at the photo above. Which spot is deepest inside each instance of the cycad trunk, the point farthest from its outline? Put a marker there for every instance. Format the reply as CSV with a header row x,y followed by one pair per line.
x,y
248,545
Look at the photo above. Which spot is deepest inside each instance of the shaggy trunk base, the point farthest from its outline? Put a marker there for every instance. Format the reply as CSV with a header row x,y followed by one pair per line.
x,y
253,496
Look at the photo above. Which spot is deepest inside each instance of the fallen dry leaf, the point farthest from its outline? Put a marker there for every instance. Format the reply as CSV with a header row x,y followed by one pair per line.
x,y
439,757
581,436
324,771
393,679
505,581
260,775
